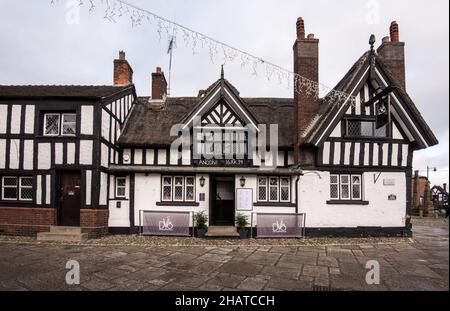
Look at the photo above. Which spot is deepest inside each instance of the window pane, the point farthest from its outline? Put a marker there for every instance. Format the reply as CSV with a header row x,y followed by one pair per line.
x,y
356,192
353,128
51,124
120,192
69,124
334,191
189,193
167,193
262,181
189,180
262,193
120,182
167,180
345,179
274,181
367,128
26,181
26,194
178,181
284,181
284,194
10,181
381,132
345,192
10,193
356,179
178,193
273,194
334,179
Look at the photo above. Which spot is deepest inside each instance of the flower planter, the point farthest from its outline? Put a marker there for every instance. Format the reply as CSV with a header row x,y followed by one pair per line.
x,y
201,233
243,234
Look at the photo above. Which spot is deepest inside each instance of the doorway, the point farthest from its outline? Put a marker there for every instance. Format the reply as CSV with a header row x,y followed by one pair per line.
x,y
222,205
69,198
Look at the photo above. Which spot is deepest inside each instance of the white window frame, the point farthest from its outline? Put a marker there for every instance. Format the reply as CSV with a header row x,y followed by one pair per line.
x,y
164,185
25,187
350,185
3,188
186,186
124,187
45,123
288,188
338,187
262,187
62,124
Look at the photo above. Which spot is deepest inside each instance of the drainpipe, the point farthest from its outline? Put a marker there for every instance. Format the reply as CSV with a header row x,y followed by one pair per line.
x,y
300,173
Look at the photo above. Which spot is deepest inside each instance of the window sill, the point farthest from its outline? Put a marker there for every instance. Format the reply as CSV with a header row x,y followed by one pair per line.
x,y
280,204
177,203
347,202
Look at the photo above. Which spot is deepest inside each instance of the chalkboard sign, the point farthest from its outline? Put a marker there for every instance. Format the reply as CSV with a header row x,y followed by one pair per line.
x,y
244,199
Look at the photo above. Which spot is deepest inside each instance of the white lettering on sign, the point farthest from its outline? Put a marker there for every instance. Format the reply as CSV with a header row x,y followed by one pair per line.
x,y
279,227
165,224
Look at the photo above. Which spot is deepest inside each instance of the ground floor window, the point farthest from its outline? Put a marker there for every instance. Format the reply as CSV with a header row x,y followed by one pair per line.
x,y
346,187
16,188
121,183
274,189
178,189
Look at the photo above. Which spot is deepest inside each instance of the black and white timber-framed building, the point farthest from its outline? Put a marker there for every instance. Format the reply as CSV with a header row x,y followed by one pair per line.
x,y
96,156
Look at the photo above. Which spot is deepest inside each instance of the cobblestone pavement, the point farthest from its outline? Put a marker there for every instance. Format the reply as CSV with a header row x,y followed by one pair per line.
x,y
422,265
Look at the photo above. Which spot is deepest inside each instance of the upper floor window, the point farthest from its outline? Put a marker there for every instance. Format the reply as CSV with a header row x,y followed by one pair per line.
x,y
178,188
274,189
364,128
60,124
17,188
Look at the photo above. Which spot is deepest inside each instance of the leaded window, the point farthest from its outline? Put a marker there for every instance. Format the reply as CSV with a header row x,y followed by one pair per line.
x,y
358,128
51,124
274,189
345,187
69,124
178,189
60,124
17,188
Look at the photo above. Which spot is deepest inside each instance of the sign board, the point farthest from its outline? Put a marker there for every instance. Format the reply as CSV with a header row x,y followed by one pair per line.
x,y
280,225
389,182
166,223
244,199
223,162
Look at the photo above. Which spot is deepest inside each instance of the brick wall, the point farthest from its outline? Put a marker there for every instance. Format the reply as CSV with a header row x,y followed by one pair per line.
x,y
159,84
25,220
94,221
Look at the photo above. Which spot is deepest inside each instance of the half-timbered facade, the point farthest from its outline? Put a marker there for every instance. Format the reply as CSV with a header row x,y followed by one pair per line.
x,y
345,163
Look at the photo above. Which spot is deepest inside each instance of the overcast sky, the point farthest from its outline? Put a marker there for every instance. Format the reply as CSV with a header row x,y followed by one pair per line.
x,y
39,46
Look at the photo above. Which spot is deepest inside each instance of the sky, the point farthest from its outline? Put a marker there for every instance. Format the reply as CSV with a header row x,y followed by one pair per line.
x,y
44,43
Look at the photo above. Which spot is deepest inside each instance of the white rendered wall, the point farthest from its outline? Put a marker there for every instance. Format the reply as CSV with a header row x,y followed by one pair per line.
x,y
87,120
314,193
119,217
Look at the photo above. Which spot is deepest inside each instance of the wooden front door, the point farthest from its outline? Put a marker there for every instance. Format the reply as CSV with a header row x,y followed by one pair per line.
x,y
70,198
222,213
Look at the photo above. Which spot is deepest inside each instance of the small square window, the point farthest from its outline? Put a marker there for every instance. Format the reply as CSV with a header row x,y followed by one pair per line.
x,y
51,124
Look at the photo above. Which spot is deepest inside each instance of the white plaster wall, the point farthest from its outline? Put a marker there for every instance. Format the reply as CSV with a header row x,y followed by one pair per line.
x,y
59,153
2,153
162,157
3,117
138,156
103,199
48,186
119,217
39,189
105,125
70,153
150,156
314,193
27,154
104,155
44,156
87,120
86,152
337,131
29,119
14,154
88,187
15,119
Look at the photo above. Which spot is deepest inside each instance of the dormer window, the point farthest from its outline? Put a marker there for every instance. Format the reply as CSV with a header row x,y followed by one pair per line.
x,y
60,124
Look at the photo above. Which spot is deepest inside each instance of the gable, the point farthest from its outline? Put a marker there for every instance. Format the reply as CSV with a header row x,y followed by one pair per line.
x,y
407,121
222,106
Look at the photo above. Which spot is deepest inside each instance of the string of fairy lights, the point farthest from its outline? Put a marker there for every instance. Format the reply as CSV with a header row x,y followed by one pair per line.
x,y
217,50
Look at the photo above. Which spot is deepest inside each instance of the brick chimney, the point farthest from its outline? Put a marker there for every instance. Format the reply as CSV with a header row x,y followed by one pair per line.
x,y
306,64
123,74
392,51
445,187
159,84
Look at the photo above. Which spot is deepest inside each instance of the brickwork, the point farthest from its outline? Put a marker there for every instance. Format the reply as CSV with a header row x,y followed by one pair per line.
x,y
94,221
25,220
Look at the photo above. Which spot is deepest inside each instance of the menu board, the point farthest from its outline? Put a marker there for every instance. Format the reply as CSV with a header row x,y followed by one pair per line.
x,y
244,199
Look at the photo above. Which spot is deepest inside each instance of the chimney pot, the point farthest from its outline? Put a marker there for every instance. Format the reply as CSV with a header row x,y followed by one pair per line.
x,y
158,70
385,39
394,32
311,36
300,28
121,55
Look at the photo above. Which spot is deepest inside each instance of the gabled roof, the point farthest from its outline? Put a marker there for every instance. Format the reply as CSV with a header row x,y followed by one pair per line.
x,y
149,123
222,89
330,112
61,91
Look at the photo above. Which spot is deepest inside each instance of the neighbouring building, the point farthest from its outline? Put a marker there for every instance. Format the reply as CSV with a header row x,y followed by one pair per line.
x,y
96,156
439,196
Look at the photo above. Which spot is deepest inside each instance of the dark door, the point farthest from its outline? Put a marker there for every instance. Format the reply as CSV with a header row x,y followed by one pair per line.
x,y
70,198
222,213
